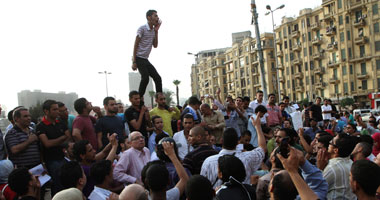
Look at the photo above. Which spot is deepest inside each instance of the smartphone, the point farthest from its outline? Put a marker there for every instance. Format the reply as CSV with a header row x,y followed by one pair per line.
x,y
284,147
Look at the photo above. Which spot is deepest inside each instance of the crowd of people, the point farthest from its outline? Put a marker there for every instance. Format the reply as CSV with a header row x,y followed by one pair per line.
x,y
229,149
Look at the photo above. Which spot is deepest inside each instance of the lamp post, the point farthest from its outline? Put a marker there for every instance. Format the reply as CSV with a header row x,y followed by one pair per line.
x,y
106,73
275,48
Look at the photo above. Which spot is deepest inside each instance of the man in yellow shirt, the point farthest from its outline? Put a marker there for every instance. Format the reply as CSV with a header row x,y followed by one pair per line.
x,y
167,114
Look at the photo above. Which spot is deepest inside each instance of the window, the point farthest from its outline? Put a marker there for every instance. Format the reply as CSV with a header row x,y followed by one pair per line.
x,y
349,53
343,54
351,69
344,70
377,64
310,51
289,30
363,68
378,83
286,44
345,88
286,57
362,50
348,35
377,46
304,52
340,20
375,9
287,70
376,28
364,85
347,19
246,60
336,88
311,65
339,4
352,86
306,67
312,80
307,80
288,84
308,36
291,56
341,35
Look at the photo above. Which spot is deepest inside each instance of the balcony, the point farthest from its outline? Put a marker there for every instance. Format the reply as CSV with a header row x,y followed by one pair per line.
x,y
320,85
279,53
332,64
334,80
300,89
330,31
281,79
361,40
362,76
317,56
316,41
257,85
278,41
325,2
280,66
295,34
359,23
332,47
361,58
298,75
297,47
319,70
329,16
297,61
255,62
316,26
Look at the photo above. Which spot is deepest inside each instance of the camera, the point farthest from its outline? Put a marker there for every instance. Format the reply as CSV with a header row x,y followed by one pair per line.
x,y
284,147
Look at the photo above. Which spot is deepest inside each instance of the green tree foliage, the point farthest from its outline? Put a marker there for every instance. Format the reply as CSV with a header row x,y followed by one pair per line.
x,y
36,112
347,102
168,95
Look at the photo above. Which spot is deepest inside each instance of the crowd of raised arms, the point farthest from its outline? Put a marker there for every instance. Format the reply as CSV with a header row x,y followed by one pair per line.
x,y
229,149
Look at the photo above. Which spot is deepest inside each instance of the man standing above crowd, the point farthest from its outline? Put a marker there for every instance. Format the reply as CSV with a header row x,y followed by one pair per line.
x,y
21,141
288,109
109,124
193,109
274,114
316,111
53,134
137,116
213,121
326,110
83,125
147,36
167,114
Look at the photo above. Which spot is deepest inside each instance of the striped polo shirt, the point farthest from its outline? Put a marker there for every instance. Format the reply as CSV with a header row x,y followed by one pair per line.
x,y
30,156
147,37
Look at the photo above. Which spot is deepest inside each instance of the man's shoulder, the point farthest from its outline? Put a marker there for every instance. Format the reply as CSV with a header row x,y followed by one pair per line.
x,y
212,159
177,135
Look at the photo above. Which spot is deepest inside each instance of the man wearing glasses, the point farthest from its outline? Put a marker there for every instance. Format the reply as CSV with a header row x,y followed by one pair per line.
x,y
128,168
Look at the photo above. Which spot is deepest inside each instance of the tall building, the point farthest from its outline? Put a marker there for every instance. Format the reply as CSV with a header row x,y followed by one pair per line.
x,y
29,98
235,70
134,83
332,51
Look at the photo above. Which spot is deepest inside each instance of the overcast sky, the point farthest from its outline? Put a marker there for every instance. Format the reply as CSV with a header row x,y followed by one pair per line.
x,y
62,45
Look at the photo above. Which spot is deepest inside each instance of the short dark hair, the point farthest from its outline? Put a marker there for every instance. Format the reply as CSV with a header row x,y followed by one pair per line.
x,y
230,165
271,94
318,98
283,187
345,145
188,116
100,170
145,169
259,91
157,177
70,173
107,99
261,108
133,93
285,98
80,149
194,101
80,105
199,187
367,148
17,112
154,118
18,180
281,103
366,138
247,132
160,150
325,140
230,139
10,115
60,104
150,13
291,133
353,126
367,175
47,104
246,99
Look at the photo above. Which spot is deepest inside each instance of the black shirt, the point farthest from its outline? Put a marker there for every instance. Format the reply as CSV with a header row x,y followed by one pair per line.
x,y
52,131
132,114
109,124
317,112
193,160
236,191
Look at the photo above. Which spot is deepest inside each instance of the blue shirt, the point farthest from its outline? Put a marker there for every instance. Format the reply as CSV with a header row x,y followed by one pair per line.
x,y
310,132
152,141
314,179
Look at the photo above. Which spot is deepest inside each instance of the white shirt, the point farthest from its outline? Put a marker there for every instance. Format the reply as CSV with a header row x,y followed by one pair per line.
x,y
254,105
183,147
326,108
251,160
99,194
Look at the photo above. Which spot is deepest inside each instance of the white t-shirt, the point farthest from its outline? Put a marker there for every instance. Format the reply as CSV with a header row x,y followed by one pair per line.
x,y
326,108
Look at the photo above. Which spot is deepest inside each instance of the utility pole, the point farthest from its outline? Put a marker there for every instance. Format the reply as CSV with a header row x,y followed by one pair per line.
x,y
259,49
106,73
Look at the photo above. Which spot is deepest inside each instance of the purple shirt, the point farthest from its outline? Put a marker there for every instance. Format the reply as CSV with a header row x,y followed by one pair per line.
x,y
128,168
86,126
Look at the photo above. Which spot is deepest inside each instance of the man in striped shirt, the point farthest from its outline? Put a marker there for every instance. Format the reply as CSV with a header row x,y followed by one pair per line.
x,y
147,36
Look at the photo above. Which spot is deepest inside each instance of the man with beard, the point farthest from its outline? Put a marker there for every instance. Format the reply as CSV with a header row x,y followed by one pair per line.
x,y
147,36
110,123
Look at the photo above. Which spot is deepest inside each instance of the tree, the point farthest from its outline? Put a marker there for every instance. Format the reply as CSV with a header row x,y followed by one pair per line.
x,y
168,96
36,112
176,83
347,102
151,94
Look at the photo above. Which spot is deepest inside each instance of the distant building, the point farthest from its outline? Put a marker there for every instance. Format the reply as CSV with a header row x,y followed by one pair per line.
x,y
134,83
29,98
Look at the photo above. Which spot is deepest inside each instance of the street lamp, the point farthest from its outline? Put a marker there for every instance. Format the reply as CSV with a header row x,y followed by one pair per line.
x,y
275,47
105,73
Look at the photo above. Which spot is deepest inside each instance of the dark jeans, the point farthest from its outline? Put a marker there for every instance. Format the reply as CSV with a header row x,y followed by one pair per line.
x,y
146,69
54,169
